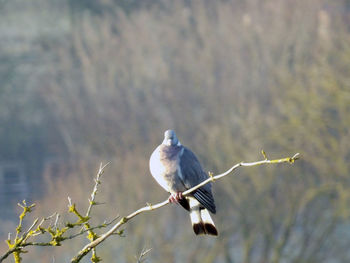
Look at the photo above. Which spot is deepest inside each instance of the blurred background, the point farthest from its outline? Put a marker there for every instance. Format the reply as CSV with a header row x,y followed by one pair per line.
x,y
85,81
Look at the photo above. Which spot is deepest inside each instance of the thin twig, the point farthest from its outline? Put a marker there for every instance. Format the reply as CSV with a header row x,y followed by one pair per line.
x,y
56,220
82,231
150,207
25,235
143,253
94,191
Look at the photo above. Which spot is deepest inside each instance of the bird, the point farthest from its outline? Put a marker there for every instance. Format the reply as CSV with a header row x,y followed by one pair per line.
x,y
177,169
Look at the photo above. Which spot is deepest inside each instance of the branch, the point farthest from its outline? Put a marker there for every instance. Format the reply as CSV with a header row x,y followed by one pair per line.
x,y
92,235
94,191
58,235
48,244
151,207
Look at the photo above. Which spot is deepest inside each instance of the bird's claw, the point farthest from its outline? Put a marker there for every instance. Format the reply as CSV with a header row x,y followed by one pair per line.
x,y
175,197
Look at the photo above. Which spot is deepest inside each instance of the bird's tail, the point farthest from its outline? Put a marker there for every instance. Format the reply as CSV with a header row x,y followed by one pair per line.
x,y
201,221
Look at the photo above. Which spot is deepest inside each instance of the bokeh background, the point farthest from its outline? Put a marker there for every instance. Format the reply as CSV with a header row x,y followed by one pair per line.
x,y
85,81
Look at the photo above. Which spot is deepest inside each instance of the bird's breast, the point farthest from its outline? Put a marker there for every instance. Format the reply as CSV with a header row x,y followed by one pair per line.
x,y
166,171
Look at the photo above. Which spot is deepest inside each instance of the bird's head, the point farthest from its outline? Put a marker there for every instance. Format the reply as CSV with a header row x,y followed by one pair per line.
x,y
170,138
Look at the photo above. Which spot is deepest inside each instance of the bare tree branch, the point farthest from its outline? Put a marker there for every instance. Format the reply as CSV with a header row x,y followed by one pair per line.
x,y
151,207
94,191
57,234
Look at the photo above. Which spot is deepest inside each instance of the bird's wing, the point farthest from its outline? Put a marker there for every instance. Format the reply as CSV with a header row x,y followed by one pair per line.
x,y
193,174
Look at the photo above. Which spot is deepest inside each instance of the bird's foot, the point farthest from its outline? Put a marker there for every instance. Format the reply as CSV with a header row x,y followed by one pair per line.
x,y
175,197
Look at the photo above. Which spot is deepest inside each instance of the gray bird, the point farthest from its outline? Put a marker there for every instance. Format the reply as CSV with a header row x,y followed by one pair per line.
x,y
177,169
